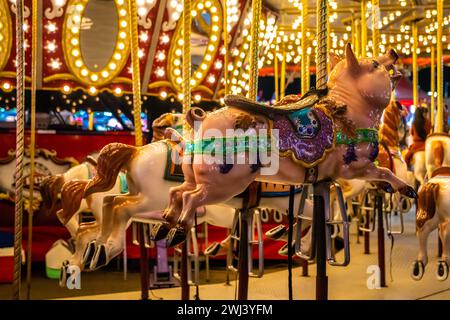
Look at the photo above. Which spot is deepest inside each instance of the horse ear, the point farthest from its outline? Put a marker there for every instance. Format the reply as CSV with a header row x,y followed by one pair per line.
x,y
352,61
334,60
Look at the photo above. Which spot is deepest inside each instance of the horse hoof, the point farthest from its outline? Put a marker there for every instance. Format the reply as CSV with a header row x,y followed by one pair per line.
x,y
284,250
212,249
63,274
442,271
89,254
386,187
176,236
418,269
159,231
99,260
409,192
277,232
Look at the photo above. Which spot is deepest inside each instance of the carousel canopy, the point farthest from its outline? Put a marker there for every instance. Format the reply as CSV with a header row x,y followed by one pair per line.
x,y
84,45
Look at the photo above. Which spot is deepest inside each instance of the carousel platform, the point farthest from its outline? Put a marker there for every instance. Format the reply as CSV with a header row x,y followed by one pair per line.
x,y
344,282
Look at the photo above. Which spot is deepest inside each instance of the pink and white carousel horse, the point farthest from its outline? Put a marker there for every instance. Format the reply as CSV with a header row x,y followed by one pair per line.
x,y
149,185
433,212
324,135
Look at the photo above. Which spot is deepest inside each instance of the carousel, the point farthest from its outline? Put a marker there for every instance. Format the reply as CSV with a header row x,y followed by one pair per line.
x,y
224,150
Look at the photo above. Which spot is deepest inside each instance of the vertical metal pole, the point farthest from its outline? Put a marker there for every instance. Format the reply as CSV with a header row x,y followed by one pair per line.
x,y
320,189
322,50
34,47
304,44
145,278
414,65
136,75
254,49
440,69
283,72
184,271
381,253
243,255
363,28
432,86
276,76
291,225
375,29
20,105
226,46
357,42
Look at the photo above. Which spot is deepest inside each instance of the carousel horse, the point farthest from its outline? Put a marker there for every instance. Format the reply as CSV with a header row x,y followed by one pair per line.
x,y
433,212
147,178
76,179
326,134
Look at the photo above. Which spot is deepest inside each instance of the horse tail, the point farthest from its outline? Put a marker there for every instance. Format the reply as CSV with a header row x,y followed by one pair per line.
x,y
71,196
113,158
49,188
438,152
193,115
426,207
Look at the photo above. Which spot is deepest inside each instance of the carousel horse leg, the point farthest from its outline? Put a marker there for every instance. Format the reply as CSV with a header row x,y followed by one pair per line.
x,y
126,207
105,230
442,265
419,265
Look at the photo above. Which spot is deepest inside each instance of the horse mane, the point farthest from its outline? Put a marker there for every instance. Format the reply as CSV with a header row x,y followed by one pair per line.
x,y
419,122
391,123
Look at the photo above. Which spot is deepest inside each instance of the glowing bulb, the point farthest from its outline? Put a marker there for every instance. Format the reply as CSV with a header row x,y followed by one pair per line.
x,y
66,89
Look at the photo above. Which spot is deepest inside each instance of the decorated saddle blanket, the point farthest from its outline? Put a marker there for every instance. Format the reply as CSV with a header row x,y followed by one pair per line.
x,y
306,135
173,171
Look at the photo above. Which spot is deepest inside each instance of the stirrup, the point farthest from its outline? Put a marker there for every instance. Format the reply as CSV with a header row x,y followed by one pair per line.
x,y
388,214
370,210
254,222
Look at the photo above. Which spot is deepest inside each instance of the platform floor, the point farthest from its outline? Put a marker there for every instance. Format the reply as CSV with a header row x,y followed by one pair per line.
x,y
344,282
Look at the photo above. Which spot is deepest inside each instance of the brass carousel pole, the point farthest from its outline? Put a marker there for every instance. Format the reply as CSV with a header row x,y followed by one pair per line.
x,y
20,106
276,76
283,72
432,86
304,44
243,266
439,69
363,28
321,189
136,77
379,196
186,86
415,73
136,80
30,208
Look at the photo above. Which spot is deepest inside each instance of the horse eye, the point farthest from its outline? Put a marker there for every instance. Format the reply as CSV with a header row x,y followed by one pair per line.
x,y
375,64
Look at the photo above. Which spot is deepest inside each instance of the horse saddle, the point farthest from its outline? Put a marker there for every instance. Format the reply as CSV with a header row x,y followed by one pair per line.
x,y
286,106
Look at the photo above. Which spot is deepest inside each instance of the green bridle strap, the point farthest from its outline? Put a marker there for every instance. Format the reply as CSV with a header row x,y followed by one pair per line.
x,y
228,145
368,135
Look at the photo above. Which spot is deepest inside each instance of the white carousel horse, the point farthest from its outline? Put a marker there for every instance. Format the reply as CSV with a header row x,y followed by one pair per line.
x,y
148,189
433,212
75,179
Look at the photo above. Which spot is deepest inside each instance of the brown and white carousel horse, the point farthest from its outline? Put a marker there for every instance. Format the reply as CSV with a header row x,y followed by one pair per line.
x,y
433,212
336,136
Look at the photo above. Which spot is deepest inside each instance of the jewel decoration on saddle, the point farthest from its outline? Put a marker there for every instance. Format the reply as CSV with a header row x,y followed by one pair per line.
x,y
306,135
